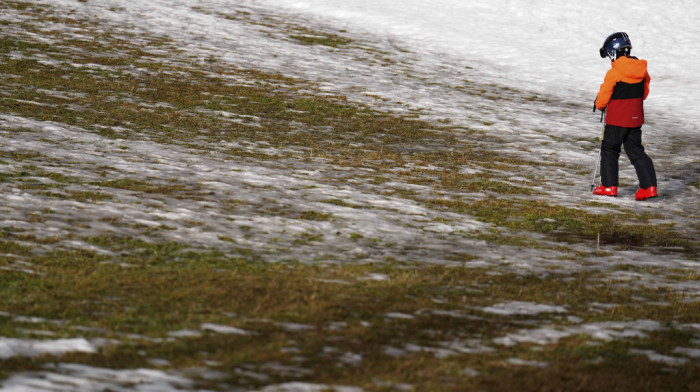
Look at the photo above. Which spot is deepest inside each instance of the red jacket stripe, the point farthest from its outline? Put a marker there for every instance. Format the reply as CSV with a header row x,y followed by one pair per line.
x,y
626,107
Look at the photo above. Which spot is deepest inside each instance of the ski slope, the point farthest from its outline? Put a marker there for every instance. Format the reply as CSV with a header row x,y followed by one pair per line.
x,y
538,58
538,45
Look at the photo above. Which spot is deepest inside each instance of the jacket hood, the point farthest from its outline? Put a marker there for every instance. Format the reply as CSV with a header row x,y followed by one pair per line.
x,y
631,67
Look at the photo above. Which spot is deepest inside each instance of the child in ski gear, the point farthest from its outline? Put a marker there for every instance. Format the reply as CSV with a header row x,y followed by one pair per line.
x,y
621,96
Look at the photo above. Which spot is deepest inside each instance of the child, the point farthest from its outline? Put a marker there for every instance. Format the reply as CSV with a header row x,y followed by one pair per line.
x,y
621,95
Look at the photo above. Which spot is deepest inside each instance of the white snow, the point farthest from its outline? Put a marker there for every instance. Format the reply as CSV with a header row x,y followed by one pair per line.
x,y
400,316
377,276
77,377
687,351
522,308
664,359
224,329
185,333
605,331
308,387
522,362
10,347
537,45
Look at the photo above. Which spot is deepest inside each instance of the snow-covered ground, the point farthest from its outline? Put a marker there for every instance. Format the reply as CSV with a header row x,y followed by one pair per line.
x,y
534,47
540,48
538,45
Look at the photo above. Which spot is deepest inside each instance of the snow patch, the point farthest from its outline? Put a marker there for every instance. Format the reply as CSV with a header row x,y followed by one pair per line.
x,y
664,359
605,331
308,387
10,347
76,377
522,308
224,329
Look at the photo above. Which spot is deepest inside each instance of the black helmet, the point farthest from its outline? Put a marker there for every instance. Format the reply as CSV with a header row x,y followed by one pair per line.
x,y
615,45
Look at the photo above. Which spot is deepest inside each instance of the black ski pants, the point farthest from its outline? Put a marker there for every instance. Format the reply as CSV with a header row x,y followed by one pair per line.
x,y
613,138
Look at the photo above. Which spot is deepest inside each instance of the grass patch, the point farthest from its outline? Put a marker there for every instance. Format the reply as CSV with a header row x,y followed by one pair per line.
x,y
315,216
571,224
329,322
153,186
324,39
19,155
180,101
343,203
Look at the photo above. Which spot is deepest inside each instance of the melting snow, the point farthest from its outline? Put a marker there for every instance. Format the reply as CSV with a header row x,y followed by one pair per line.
x,y
656,357
224,329
75,377
308,387
605,331
32,348
522,308
522,362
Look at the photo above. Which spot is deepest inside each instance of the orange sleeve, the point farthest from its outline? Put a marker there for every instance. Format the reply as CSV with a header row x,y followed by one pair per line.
x,y
647,79
606,90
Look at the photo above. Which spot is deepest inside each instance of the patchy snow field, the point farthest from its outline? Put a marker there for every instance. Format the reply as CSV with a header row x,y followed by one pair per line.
x,y
424,76
515,78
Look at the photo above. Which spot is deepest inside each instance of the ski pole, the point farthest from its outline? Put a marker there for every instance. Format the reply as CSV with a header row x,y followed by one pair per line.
x,y
600,152
595,171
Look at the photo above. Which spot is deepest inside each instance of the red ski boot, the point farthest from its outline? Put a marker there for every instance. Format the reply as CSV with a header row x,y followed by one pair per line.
x,y
605,190
643,194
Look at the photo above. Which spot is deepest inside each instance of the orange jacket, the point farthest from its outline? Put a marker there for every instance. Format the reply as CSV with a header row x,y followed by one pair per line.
x,y
623,91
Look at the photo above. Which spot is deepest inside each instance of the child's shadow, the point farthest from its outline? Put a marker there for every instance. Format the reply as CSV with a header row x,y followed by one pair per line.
x,y
680,180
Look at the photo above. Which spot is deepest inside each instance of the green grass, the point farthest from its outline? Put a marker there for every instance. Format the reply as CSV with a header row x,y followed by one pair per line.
x,y
331,40
154,186
625,230
170,288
